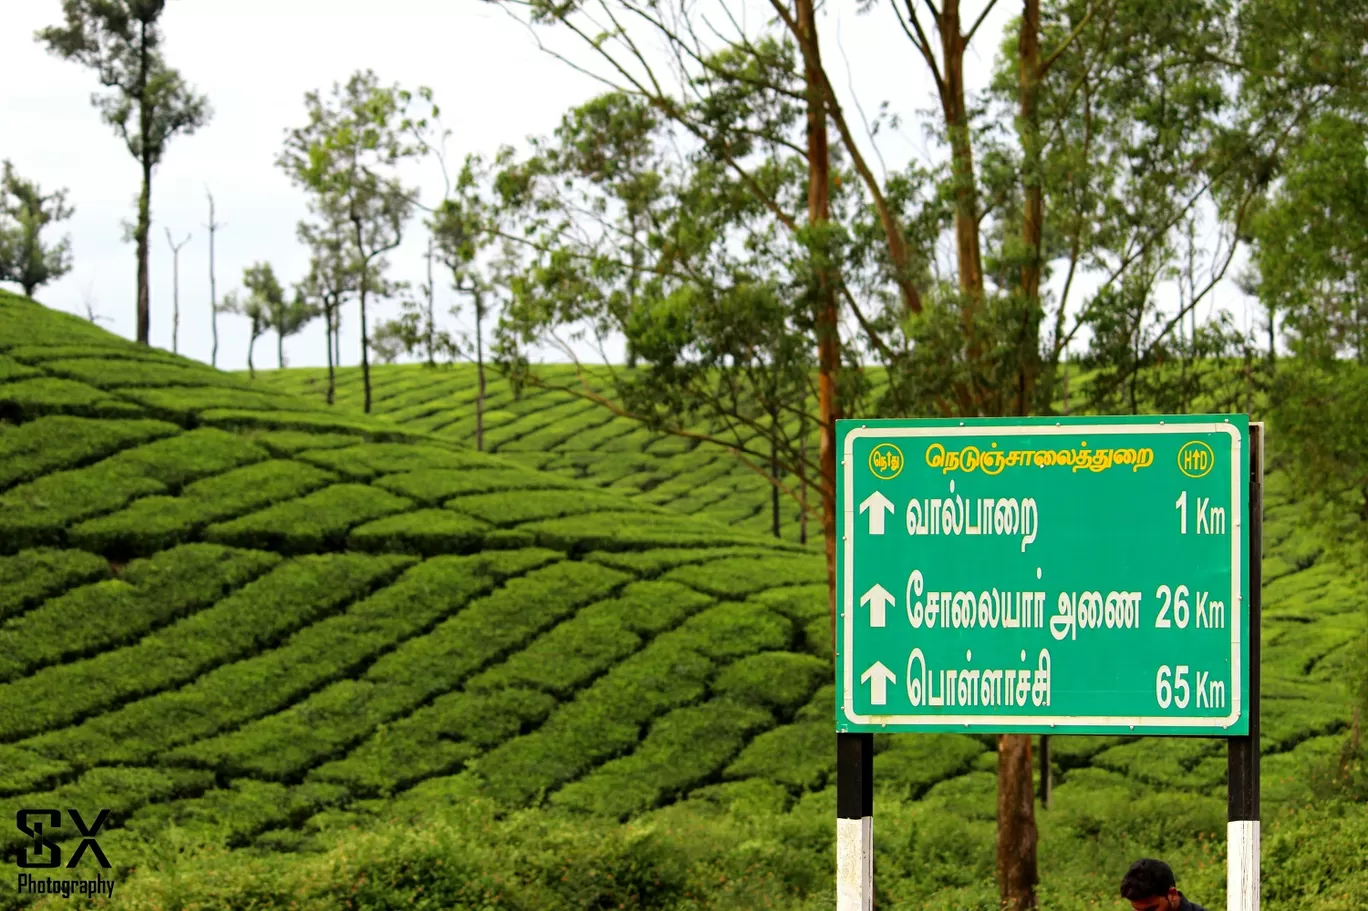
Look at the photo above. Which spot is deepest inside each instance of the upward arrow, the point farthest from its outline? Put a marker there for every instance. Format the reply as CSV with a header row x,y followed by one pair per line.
x,y
876,503
877,598
878,677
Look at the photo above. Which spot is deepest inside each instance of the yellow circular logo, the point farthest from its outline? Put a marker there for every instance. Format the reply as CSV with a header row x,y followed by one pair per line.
x,y
1195,459
886,461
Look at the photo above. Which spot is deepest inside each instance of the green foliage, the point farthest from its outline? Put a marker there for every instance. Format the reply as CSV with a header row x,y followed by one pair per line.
x,y
149,594
25,211
39,511
285,744
32,449
113,373
567,657
435,486
36,397
646,530
736,578
800,757
154,523
260,614
365,461
29,576
732,630
428,532
779,681
915,764
24,770
255,686
436,740
682,749
309,524
517,507
184,404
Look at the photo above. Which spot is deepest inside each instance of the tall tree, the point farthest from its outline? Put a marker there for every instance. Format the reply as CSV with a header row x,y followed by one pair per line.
x,y
175,288
148,102
213,227
348,157
263,298
331,281
25,211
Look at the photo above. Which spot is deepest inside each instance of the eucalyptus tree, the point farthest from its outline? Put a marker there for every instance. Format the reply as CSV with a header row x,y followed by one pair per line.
x,y
264,297
348,158
25,213
148,102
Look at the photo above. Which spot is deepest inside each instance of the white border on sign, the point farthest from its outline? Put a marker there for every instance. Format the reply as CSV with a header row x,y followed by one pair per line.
x,y
848,593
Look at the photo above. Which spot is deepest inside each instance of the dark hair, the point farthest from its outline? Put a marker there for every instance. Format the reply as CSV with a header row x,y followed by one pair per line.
x,y
1147,878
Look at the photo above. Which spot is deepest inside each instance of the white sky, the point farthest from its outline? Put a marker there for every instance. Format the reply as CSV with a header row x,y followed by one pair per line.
x,y
255,59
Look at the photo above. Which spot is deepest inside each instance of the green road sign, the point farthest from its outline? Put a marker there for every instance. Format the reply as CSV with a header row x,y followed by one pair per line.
x,y
1043,575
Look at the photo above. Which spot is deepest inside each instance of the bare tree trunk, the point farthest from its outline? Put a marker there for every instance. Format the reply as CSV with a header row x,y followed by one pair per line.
x,y
802,484
144,227
1033,214
827,322
1016,828
337,333
479,370
774,473
329,317
251,370
280,350
175,289
365,356
431,310
213,288
967,246
143,230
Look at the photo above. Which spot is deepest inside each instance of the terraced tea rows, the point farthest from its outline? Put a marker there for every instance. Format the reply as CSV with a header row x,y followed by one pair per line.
x,y
232,609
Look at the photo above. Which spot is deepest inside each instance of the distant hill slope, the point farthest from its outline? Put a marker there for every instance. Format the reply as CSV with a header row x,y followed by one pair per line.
x,y
233,610
568,435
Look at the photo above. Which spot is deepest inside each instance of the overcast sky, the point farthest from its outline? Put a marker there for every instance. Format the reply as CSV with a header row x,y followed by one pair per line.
x,y
255,59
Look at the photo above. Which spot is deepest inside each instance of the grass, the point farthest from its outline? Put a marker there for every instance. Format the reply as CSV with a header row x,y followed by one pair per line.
x,y
311,658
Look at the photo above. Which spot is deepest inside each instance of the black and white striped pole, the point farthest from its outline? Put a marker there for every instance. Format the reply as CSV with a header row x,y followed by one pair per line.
x,y
854,822
1242,828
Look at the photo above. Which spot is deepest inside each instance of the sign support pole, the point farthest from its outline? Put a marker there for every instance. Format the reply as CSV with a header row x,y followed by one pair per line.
x,y
1242,829
854,822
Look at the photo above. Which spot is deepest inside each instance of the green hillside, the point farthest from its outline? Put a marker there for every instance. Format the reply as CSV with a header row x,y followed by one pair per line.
x,y
261,631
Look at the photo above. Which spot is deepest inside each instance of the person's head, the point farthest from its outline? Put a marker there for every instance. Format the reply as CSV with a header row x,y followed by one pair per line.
x,y
1149,886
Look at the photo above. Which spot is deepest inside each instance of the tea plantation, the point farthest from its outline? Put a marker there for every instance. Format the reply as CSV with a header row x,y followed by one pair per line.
x,y
310,658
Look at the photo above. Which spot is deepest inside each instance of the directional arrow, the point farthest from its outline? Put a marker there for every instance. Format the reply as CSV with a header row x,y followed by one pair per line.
x,y
876,503
877,598
879,677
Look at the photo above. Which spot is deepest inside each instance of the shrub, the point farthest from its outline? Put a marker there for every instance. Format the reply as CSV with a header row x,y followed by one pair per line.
x,y
32,575
333,719
182,403
740,576
258,615
780,681
32,449
730,631
428,532
235,693
650,563
306,421
565,658
286,443
683,748
231,816
36,397
11,370
367,460
648,608
316,522
436,740
434,486
155,523
515,507
107,614
24,770
107,373
580,534
800,757
120,790
912,765
598,724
